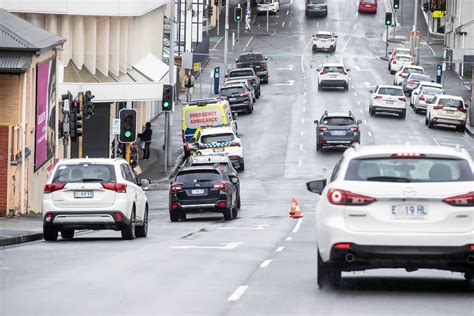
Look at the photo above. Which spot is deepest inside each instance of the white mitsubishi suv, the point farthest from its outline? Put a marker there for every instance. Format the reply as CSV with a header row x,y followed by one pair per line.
x,y
409,207
94,194
333,75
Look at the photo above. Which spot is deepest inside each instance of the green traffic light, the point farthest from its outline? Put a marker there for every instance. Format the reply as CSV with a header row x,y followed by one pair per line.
x,y
166,104
128,134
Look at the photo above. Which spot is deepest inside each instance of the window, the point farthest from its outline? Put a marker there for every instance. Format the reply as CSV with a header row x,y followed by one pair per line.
x,y
324,36
84,173
333,69
133,178
198,176
231,90
335,171
419,77
241,73
338,121
432,91
451,103
391,91
251,57
217,138
409,170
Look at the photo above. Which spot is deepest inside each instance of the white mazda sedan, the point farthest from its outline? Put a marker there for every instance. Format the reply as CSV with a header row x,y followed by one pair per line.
x,y
409,207
94,194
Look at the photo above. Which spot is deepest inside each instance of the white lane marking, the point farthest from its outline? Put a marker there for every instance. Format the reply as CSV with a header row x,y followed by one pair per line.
x,y
352,86
345,45
248,43
227,246
304,85
304,110
300,163
304,93
237,293
280,249
304,77
298,225
257,227
407,142
287,12
355,27
367,84
370,134
301,133
365,122
301,147
302,120
283,24
355,94
317,24
358,102
302,55
265,263
436,142
289,238
217,43
361,111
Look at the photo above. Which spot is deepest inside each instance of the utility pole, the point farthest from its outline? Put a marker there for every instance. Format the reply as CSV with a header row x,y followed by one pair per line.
x,y
81,102
226,35
268,15
415,21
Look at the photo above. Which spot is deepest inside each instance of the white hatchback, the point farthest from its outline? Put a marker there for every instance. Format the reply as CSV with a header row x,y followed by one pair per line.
x,y
399,61
324,41
333,75
94,194
447,110
409,207
424,96
388,99
405,71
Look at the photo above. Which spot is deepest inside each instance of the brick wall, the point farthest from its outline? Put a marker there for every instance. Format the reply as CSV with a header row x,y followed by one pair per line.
x,y
10,103
3,169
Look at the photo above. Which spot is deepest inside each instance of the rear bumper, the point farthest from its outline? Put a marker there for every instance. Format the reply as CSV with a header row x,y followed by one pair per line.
x,y
325,47
387,109
240,106
448,121
86,220
316,12
367,10
408,257
325,141
195,206
333,83
263,74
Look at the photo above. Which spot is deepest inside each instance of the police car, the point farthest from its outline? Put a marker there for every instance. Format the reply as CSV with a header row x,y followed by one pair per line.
x,y
220,141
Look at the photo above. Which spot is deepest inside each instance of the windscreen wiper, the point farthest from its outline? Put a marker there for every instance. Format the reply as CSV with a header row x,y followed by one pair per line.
x,y
388,179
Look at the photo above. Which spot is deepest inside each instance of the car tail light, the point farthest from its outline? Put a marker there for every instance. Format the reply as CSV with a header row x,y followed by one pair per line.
x,y
118,216
422,98
378,97
236,143
354,128
410,82
394,62
408,155
264,66
49,218
412,63
117,187
437,107
343,73
176,187
341,197
245,94
342,246
461,200
323,128
220,186
50,188
402,99
222,204
174,206
461,109
471,247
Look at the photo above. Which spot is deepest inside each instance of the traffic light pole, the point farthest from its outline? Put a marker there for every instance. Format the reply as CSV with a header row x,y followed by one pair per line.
x,y
268,16
238,29
167,141
386,43
81,102
415,21
226,35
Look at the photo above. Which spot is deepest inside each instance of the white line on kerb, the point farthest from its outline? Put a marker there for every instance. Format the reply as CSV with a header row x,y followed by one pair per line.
x,y
358,102
370,134
300,163
265,263
361,111
248,43
355,94
289,238
287,12
298,225
237,293
365,122
280,249
301,132
283,24
301,147
302,120
304,110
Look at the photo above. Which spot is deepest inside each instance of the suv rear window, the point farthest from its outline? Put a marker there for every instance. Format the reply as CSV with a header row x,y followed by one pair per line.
x,y
323,36
333,69
450,103
338,121
84,173
226,91
412,71
409,170
250,58
419,77
432,91
404,58
241,73
198,175
390,91
217,138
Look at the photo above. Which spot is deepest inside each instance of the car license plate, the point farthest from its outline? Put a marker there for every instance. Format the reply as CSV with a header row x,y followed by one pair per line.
x,y
197,191
333,76
338,133
83,194
232,99
217,150
449,112
389,101
409,211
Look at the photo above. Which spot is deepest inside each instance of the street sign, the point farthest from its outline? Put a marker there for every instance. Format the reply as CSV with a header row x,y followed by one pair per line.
x,y
187,60
116,127
197,67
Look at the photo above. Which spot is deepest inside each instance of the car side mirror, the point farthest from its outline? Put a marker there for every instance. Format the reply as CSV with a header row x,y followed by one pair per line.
x,y
318,69
359,122
266,58
226,76
316,186
236,60
371,91
466,106
316,122
335,36
234,180
432,81
348,69
415,92
145,182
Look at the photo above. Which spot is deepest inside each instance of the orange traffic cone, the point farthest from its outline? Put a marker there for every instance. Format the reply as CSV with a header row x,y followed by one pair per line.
x,y
295,209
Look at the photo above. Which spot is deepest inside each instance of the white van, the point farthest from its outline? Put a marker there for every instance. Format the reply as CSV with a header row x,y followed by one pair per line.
x,y
273,6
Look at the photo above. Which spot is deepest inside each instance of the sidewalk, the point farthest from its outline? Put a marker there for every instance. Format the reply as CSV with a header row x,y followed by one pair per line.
x,y
20,229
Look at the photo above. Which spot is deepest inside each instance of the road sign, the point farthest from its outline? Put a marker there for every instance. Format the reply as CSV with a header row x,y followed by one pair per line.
x,y
197,67
116,127
187,60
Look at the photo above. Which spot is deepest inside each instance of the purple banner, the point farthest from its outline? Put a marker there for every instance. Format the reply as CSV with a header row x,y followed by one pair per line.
x,y
45,112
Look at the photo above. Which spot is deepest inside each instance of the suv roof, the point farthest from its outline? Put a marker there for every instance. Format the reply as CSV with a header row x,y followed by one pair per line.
x,y
448,96
209,159
338,114
324,33
378,150
240,69
199,168
217,130
75,161
203,102
333,65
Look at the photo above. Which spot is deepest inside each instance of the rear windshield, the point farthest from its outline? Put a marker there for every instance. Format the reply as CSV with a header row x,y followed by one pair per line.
x,y
324,36
390,91
338,121
217,138
451,103
333,69
412,71
409,170
231,91
368,1
197,175
241,73
419,77
432,91
250,58
316,1
404,58
84,173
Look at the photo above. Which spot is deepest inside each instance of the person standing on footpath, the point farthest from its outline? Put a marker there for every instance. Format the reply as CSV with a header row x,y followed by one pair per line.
x,y
145,138
189,85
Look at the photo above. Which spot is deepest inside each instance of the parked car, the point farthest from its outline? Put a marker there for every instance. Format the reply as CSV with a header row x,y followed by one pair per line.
x,y
398,61
239,97
316,8
368,6
333,75
382,202
420,86
202,189
405,71
245,73
94,194
447,110
388,99
399,51
325,41
424,96
337,129
247,83
272,6
412,81
254,60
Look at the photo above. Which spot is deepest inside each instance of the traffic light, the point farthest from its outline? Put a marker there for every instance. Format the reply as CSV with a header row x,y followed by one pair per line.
x,y
76,123
209,10
388,18
425,6
67,99
238,14
88,105
396,4
128,125
167,99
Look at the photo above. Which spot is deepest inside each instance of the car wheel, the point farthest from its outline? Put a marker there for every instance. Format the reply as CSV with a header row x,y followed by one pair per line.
x,y
227,214
329,275
67,233
371,111
174,216
346,86
50,233
319,87
319,147
128,231
469,280
461,128
426,121
182,216
142,231
430,123
234,212
242,166
403,114
238,201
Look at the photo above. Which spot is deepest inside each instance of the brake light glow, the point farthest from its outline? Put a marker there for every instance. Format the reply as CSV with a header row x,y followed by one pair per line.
x,y
264,66
394,62
378,97
461,109
342,197
323,128
342,246
244,94
117,187
50,188
437,107
410,82
176,187
461,200
220,186
402,99
49,218
422,98
222,204
354,128
174,206
118,216
471,247
408,155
